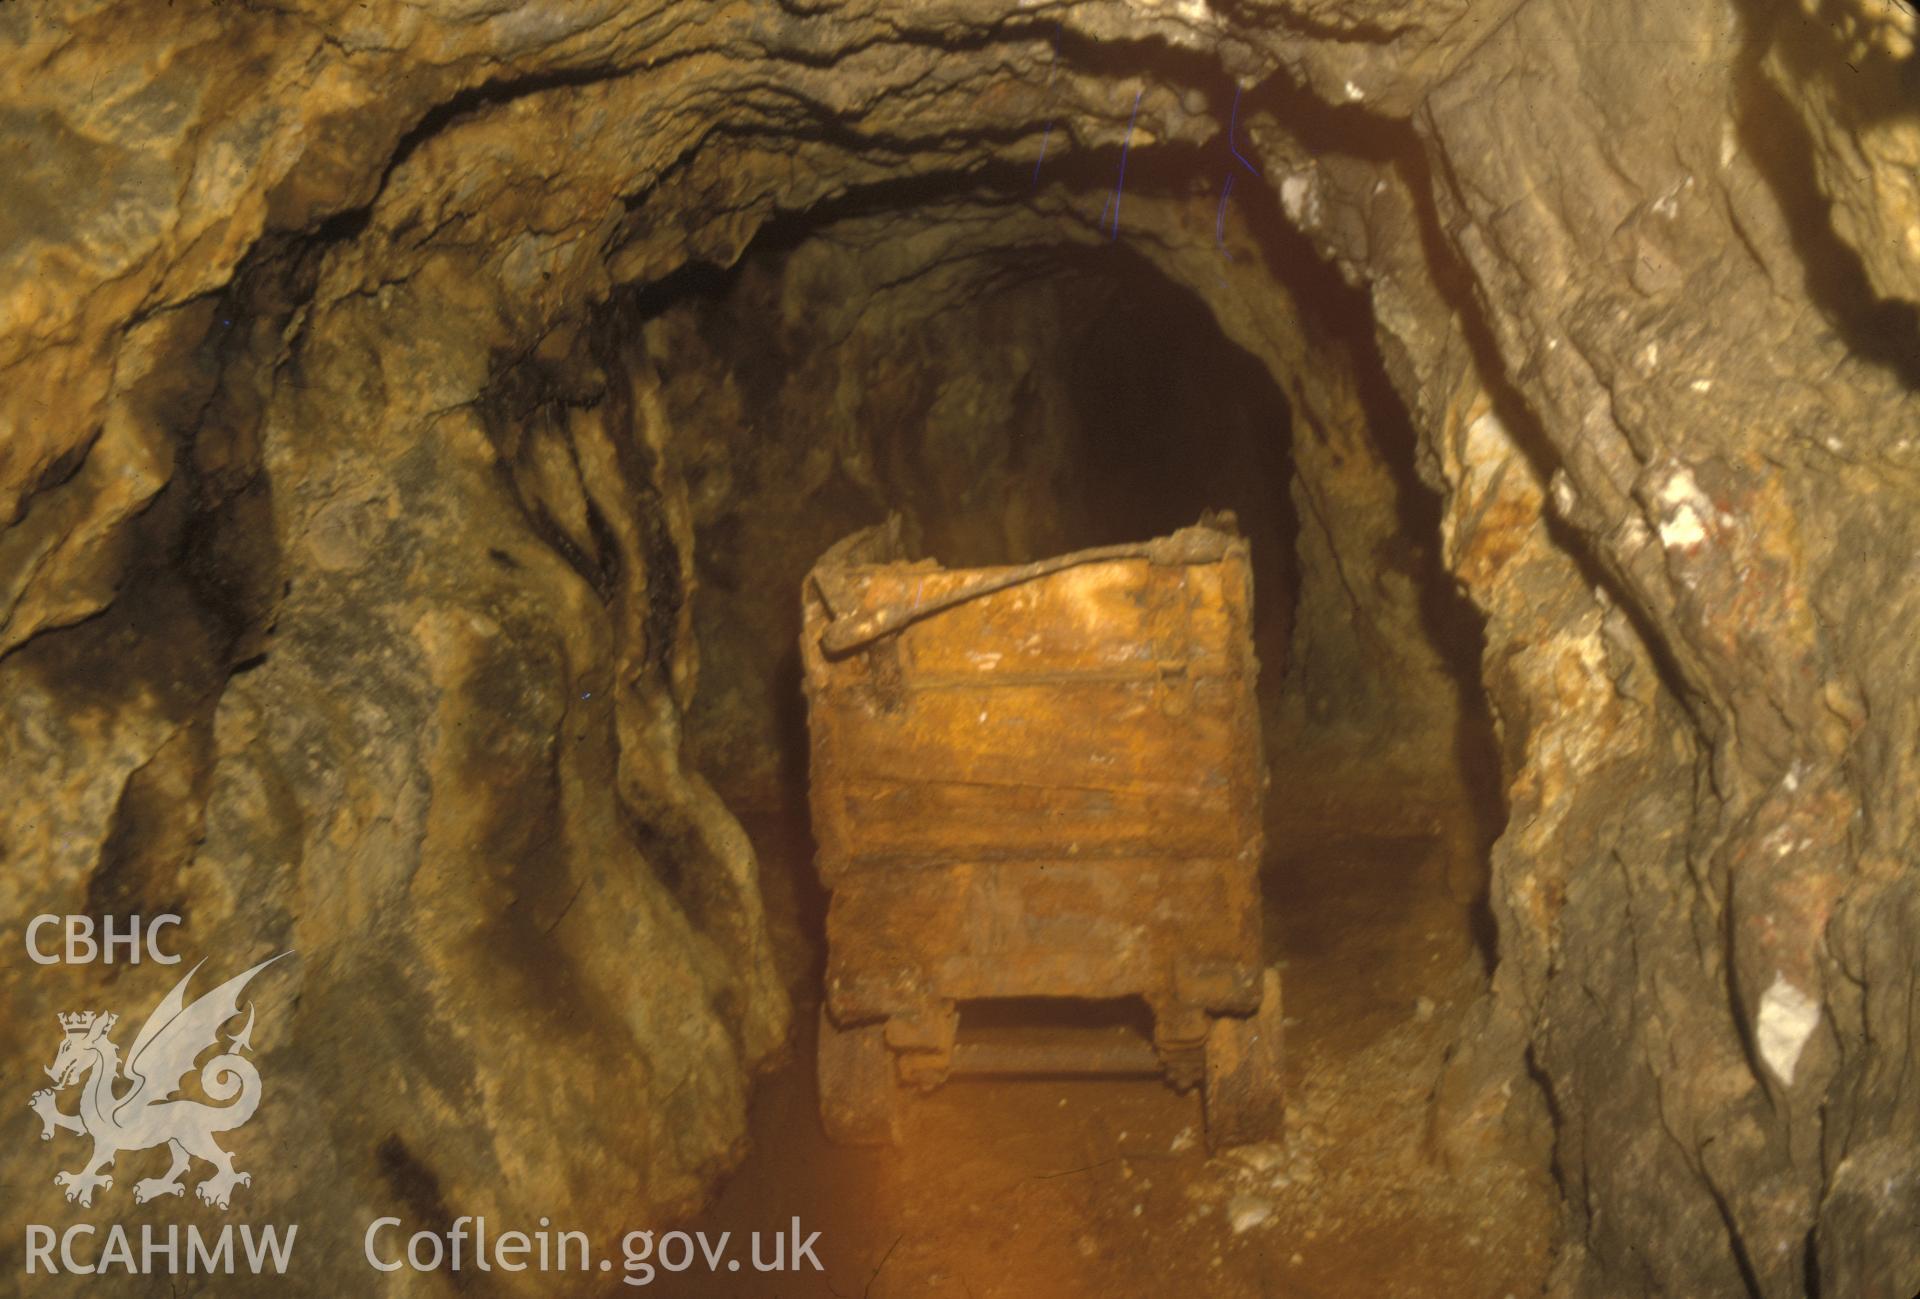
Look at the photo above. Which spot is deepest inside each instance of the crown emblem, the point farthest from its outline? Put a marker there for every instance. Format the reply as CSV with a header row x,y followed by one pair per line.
x,y
79,1022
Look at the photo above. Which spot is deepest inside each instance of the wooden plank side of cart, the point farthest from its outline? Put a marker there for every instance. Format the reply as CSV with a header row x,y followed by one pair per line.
x,y
1105,710
1102,928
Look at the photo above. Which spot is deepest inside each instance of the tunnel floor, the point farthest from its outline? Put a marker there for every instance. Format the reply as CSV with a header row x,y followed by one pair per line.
x,y
1055,1189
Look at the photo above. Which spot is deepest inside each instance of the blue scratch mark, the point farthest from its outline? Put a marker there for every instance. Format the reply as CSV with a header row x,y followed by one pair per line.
x,y
1233,128
1220,218
1043,152
1125,148
1049,131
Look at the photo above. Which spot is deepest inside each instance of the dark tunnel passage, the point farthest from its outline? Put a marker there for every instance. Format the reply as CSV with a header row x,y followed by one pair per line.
x,y
1102,406
1073,397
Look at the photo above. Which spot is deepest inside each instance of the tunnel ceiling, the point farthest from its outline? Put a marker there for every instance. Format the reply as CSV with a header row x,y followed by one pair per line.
x,y
347,525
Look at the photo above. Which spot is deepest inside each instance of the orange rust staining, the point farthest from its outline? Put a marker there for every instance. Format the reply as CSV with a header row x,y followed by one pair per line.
x,y
1499,534
1497,505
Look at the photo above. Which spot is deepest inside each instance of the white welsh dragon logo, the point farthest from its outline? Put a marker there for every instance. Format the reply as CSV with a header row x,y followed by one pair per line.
x,y
149,1112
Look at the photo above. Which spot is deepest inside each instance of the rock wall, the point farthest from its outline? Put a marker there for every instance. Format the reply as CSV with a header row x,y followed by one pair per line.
x,y
348,543
1716,457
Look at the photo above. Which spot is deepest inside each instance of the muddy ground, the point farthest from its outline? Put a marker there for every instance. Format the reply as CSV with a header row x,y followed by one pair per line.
x,y
1058,1189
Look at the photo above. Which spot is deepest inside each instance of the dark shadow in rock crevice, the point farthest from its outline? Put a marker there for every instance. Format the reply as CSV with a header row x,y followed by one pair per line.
x,y
1335,310
201,587
1885,331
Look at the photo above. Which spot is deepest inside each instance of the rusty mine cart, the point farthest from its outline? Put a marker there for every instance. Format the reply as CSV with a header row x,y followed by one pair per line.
x,y
1036,782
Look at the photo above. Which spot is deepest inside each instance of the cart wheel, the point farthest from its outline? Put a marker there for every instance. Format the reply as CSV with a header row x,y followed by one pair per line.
x,y
859,1099
1245,1091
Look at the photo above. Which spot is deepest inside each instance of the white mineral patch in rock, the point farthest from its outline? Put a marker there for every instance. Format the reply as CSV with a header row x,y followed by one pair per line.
x,y
1682,529
1354,92
1668,204
1487,437
1564,497
1301,199
1245,1212
1260,1157
1684,500
1787,1019
1680,487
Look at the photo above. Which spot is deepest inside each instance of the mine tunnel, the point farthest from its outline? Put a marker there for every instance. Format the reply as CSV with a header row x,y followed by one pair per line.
x,y
426,432
1045,397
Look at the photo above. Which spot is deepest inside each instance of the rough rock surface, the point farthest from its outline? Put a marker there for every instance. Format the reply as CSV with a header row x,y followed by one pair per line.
x,y
350,540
